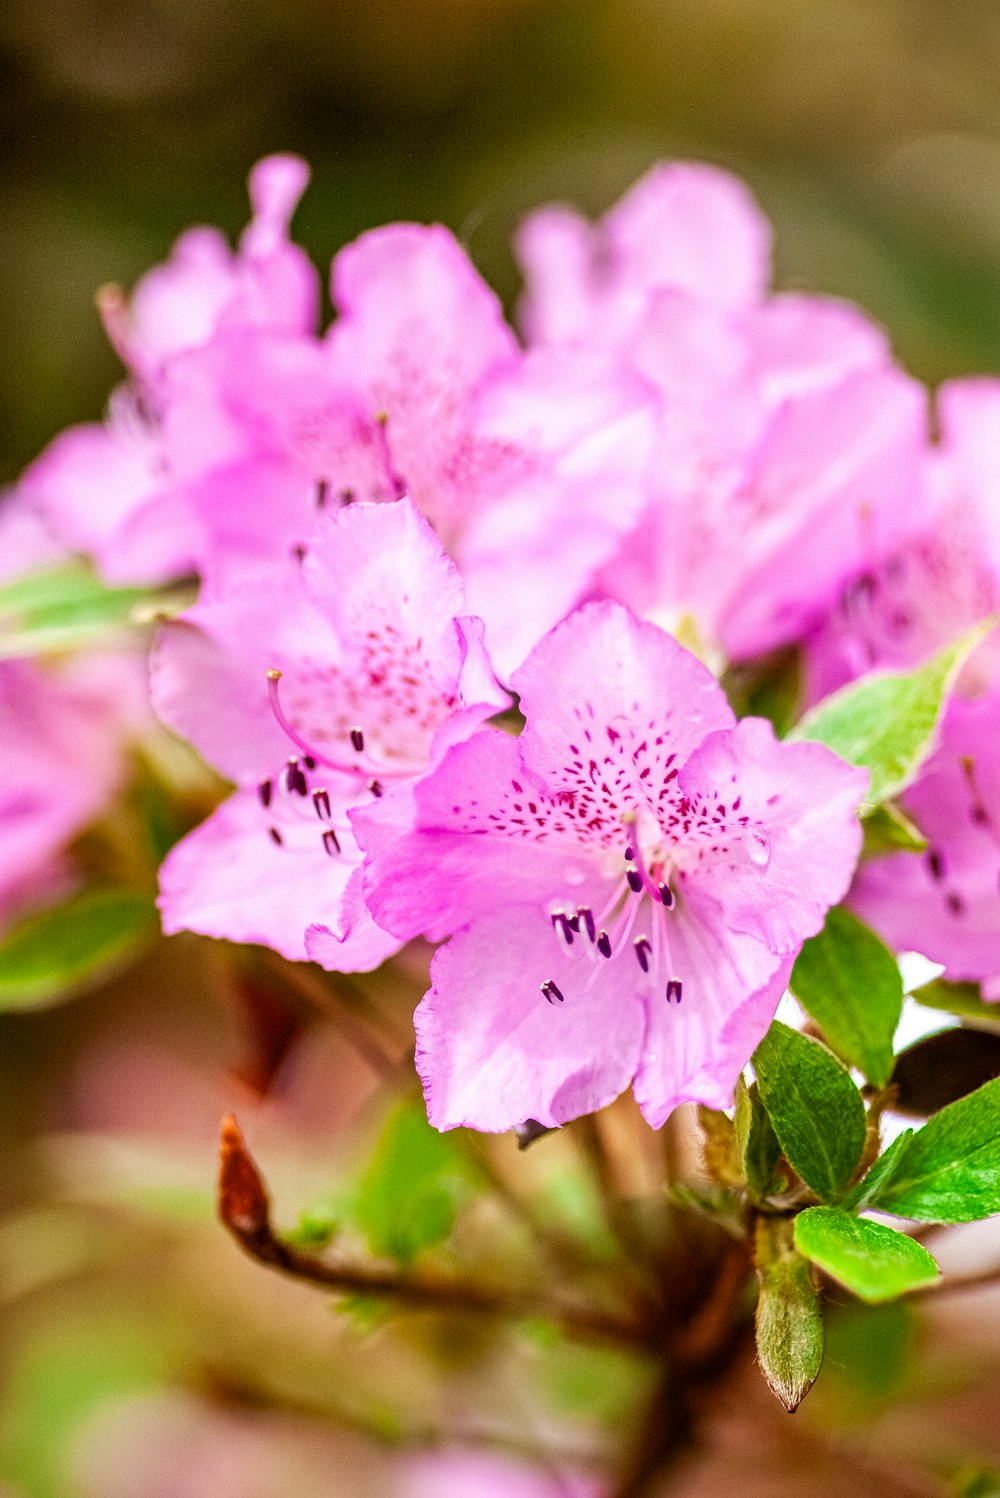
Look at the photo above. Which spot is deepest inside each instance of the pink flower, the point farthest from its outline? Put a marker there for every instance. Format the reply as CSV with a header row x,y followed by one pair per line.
x,y
204,289
119,490
686,226
61,756
788,446
342,673
944,903
632,849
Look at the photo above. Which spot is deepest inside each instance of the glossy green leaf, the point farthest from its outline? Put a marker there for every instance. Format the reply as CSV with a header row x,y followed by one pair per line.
x,y
789,1321
873,1260
53,953
879,1176
759,1150
409,1195
950,1169
848,981
886,722
815,1108
963,999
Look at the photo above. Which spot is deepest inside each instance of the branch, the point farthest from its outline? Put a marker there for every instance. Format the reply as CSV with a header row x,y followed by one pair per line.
x,y
244,1209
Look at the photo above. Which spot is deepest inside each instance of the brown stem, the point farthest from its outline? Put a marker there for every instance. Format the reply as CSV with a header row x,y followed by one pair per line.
x,y
701,1350
244,1209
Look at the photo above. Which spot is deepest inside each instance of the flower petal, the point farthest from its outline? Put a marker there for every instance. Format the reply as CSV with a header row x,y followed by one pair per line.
x,y
492,1051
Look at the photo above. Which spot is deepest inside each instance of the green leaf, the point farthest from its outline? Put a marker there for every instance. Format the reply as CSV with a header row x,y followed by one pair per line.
x,y
815,1108
757,1142
888,830
950,1169
962,999
873,1260
409,1195
848,981
789,1320
65,607
55,952
866,1191
886,722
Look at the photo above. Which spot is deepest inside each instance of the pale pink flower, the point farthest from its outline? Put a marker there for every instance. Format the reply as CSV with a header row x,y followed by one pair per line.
x,y
944,903
379,671
788,445
633,848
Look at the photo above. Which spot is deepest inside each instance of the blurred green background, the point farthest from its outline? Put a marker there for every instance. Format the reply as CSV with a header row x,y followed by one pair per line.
x,y
870,129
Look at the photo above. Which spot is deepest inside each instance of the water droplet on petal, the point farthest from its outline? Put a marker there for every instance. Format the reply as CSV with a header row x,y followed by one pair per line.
x,y
758,846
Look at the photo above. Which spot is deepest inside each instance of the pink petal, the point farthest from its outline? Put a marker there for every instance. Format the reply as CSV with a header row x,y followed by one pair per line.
x,y
208,674
689,227
777,831
945,903
610,699
493,1052
228,879
695,1050
463,842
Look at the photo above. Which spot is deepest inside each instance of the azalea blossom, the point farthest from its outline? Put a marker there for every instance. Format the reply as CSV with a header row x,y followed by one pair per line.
x,y
626,885
788,445
945,902
344,673
241,421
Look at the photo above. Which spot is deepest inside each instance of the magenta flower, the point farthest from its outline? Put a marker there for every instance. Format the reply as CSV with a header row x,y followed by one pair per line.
x,y
342,674
788,447
627,883
690,227
471,1474
944,903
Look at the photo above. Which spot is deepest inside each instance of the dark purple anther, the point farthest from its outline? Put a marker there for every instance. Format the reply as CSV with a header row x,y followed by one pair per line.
x,y
330,844
309,762
552,992
321,801
586,915
634,880
955,903
562,925
573,921
674,990
936,864
357,740
296,778
666,894
322,493
264,791
603,943
642,951
375,786
275,836
630,854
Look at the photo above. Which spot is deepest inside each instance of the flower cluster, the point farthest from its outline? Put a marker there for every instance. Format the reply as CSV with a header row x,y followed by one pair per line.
x,y
448,581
